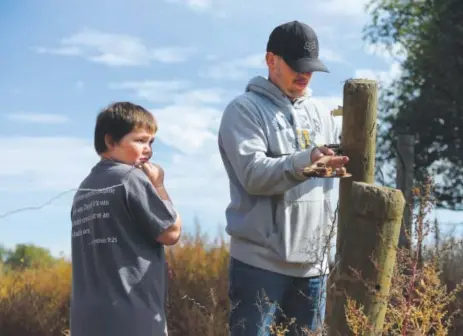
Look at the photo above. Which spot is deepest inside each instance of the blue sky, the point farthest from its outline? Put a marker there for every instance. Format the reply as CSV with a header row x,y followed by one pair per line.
x,y
63,61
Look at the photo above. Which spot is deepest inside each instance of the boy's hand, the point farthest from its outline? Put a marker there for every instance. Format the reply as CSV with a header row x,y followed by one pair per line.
x,y
154,172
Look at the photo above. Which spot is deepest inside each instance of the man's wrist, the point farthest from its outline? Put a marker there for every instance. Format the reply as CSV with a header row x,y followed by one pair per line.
x,y
302,160
312,152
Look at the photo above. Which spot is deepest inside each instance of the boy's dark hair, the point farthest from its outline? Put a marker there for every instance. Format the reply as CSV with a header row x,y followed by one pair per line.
x,y
119,119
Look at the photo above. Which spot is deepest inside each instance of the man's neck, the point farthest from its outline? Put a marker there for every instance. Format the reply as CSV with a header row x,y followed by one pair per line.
x,y
291,99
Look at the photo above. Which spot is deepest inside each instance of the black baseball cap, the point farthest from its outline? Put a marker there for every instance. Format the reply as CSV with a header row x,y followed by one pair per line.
x,y
297,44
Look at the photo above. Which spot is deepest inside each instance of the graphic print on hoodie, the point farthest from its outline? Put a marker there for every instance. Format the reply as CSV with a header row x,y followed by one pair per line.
x,y
275,213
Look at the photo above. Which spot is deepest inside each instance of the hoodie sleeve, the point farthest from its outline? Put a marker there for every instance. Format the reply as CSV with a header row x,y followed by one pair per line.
x,y
243,146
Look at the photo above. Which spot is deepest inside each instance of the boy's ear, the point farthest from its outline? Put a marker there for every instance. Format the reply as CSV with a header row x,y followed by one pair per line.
x,y
109,141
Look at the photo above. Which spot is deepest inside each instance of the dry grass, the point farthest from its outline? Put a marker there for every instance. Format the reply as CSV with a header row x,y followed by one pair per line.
x,y
424,295
198,299
35,302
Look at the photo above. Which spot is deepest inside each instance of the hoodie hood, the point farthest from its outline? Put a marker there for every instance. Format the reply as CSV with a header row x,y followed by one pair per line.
x,y
265,87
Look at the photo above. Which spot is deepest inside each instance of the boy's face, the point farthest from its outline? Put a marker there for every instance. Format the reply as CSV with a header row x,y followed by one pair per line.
x,y
133,149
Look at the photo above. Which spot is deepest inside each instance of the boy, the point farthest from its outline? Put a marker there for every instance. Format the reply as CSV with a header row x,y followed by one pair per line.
x,y
122,217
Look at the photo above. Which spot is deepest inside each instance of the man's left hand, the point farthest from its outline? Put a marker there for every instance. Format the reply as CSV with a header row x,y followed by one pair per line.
x,y
327,156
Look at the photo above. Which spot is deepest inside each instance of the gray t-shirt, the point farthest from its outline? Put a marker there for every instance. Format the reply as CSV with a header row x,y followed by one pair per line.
x,y
118,268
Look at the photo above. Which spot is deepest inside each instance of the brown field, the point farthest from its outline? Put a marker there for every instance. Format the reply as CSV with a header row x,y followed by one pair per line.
x,y
35,302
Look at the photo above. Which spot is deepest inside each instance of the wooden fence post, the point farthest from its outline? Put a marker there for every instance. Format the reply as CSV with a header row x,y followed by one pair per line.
x,y
371,246
404,181
358,141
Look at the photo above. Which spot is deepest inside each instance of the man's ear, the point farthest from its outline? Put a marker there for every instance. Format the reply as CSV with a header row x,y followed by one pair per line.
x,y
270,59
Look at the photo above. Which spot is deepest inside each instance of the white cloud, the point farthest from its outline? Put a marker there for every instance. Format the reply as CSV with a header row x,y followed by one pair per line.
x,y
202,176
152,90
79,85
253,61
235,69
384,77
177,92
38,118
215,8
49,163
200,96
350,8
195,4
392,54
116,49
190,129
331,56
63,51
276,9
327,31
240,68
330,102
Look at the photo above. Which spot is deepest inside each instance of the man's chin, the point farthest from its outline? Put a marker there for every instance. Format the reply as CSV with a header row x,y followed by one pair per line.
x,y
297,94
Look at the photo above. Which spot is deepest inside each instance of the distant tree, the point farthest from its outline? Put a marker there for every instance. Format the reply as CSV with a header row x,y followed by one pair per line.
x,y
4,252
427,98
28,256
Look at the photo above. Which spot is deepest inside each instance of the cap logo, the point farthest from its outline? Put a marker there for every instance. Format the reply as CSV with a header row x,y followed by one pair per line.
x,y
310,46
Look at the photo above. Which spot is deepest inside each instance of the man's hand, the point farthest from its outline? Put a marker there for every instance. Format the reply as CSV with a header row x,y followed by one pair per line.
x,y
324,161
327,157
155,173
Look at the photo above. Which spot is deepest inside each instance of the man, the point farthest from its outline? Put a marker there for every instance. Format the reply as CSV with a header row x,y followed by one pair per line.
x,y
278,218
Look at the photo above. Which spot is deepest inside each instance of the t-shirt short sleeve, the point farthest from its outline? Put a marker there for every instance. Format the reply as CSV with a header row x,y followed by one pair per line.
x,y
151,212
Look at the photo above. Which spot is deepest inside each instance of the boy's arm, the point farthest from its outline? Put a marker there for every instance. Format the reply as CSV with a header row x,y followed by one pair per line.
x,y
152,209
242,140
171,235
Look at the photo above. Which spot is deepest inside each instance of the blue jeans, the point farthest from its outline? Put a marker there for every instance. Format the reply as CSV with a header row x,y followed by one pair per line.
x,y
260,298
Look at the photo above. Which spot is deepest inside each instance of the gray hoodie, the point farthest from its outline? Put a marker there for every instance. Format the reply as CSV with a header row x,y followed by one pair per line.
x,y
278,219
